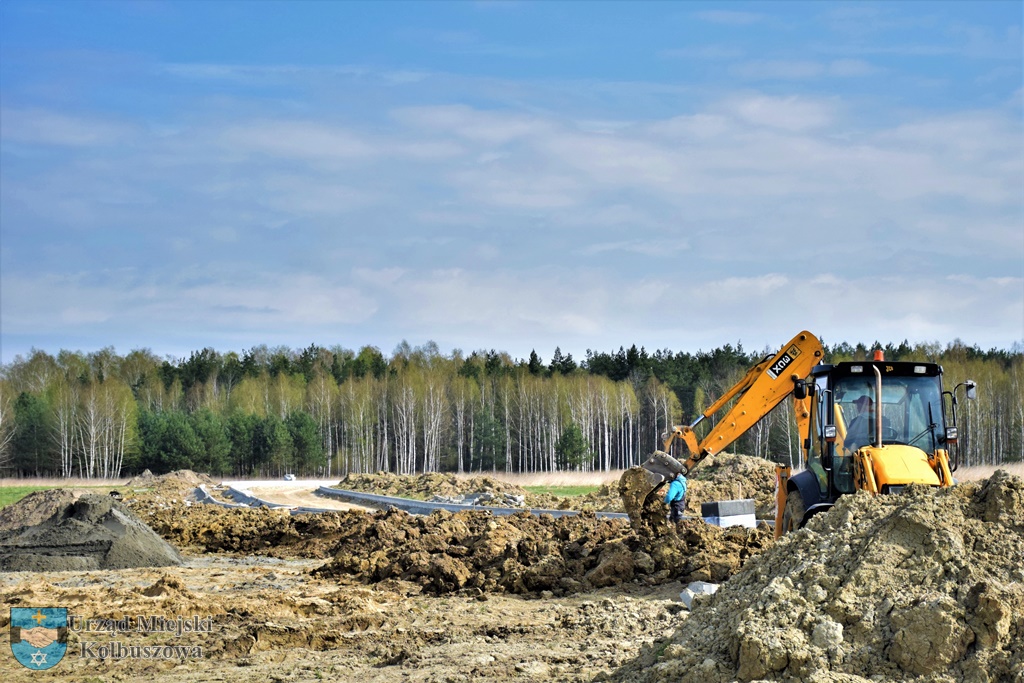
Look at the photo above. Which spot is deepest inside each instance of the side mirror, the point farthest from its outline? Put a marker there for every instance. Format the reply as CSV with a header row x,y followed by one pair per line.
x,y
972,389
951,434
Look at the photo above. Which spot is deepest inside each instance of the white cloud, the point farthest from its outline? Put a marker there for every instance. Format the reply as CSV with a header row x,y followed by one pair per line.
x,y
851,68
779,69
472,124
215,303
730,17
705,52
297,139
39,126
791,113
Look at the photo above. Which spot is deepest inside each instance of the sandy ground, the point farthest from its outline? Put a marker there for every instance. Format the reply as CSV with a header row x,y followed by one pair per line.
x,y
299,493
270,620
268,616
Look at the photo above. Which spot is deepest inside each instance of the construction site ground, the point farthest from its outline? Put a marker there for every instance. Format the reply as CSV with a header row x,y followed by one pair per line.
x,y
922,587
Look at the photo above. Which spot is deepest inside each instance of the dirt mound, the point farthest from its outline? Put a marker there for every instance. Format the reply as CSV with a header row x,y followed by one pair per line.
x,y
173,486
605,499
34,508
477,553
718,477
923,586
94,532
265,531
425,486
728,476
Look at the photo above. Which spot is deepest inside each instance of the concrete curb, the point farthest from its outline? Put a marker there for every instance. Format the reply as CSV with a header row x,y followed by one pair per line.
x,y
420,507
204,496
371,500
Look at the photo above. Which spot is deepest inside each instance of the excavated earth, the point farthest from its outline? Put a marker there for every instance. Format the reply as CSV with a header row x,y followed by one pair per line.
x,y
463,552
35,508
92,532
477,553
924,586
425,486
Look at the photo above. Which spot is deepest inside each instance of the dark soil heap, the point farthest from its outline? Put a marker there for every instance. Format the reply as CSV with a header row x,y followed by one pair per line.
x,y
476,552
263,531
927,585
94,532
34,508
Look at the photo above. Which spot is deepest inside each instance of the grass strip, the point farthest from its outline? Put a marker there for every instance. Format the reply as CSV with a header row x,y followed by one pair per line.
x,y
562,491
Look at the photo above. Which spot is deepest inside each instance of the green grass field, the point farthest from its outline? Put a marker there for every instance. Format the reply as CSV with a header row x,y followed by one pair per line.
x,y
12,494
562,491
13,490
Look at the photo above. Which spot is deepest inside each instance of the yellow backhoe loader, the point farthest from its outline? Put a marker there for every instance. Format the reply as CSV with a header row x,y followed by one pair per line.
x,y
863,425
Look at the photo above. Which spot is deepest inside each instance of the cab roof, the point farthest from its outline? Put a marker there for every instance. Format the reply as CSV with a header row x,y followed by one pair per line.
x,y
887,368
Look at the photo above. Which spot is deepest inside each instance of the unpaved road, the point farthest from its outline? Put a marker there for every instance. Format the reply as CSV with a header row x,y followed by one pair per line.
x,y
300,493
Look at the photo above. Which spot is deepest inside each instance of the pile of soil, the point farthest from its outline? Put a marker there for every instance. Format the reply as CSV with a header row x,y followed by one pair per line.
x,y
927,585
425,486
170,487
605,499
725,476
35,508
728,476
263,531
478,553
93,532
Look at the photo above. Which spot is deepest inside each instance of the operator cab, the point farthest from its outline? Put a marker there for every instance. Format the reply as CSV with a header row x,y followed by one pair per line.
x,y
887,417
911,412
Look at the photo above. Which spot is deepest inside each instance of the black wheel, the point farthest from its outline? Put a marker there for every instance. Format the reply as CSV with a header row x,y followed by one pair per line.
x,y
793,514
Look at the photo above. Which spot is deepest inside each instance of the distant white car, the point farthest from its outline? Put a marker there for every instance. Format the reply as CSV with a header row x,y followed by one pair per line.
x,y
289,477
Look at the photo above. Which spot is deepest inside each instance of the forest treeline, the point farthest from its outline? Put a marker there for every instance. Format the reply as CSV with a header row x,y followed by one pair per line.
x,y
325,412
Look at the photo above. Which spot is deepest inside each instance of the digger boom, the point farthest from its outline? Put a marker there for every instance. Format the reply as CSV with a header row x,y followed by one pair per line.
x,y
763,387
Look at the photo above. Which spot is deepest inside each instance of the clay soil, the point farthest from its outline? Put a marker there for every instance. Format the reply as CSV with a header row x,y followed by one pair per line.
x,y
923,587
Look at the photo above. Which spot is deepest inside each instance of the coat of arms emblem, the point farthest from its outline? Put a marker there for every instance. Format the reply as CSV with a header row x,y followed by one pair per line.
x,y
39,636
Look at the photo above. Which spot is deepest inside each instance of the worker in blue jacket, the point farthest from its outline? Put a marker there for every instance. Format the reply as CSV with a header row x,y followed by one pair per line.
x,y
675,498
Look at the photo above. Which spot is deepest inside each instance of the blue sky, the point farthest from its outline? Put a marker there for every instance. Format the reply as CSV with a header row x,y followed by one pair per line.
x,y
509,175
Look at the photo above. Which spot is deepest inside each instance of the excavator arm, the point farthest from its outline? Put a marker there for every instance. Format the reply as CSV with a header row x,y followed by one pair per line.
x,y
763,387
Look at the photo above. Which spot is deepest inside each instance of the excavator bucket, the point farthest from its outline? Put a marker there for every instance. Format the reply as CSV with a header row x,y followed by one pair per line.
x,y
663,464
638,484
